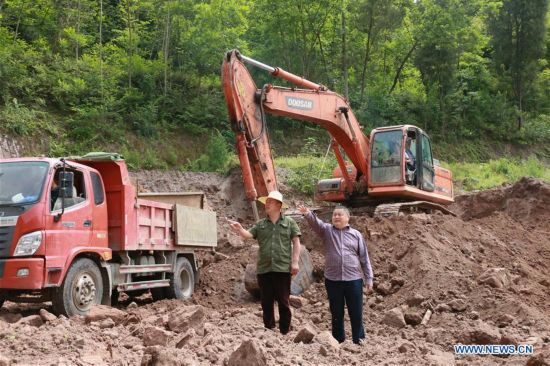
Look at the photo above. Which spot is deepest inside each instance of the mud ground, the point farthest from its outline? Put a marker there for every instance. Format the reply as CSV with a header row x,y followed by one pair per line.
x,y
484,276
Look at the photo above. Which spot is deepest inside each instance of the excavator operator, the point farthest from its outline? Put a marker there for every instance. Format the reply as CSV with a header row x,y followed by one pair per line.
x,y
410,162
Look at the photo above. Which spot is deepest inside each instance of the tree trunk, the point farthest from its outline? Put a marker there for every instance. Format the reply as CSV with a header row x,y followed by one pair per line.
x,y
367,56
166,44
77,27
442,109
344,55
323,57
130,53
17,27
520,106
101,53
401,66
518,71
305,54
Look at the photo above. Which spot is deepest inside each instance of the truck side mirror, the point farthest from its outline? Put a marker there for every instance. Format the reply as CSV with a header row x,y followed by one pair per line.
x,y
66,182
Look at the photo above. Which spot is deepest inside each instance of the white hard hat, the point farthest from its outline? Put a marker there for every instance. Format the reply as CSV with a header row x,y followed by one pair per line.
x,y
275,195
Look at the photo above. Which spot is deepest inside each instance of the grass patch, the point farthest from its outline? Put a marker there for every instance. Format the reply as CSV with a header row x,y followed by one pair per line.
x,y
477,176
20,120
305,170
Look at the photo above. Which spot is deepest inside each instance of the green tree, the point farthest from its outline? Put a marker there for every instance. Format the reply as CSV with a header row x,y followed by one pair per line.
x,y
441,29
518,32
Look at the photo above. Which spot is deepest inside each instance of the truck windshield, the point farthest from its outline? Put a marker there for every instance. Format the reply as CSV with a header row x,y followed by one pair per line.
x,y
21,182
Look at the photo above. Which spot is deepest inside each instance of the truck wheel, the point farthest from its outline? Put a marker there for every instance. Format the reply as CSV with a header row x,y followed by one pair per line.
x,y
182,282
2,300
82,288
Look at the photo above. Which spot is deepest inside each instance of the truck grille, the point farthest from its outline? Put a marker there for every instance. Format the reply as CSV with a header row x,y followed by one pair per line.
x,y
6,236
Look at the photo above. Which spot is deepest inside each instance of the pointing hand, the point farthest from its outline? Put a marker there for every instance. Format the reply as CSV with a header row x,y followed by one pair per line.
x,y
303,209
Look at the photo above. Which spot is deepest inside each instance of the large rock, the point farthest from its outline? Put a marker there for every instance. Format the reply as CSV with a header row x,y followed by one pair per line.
x,y
440,336
249,353
415,300
442,308
440,358
161,356
413,317
33,320
406,347
10,317
297,301
326,340
187,317
186,338
394,318
384,288
397,281
250,280
4,361
541,358
47,316
457,305
101,312
480,333
299,283
495,277
107,323
305,335
154,336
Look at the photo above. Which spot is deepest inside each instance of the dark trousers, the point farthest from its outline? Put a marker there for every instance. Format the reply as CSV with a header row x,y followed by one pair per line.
x,y
275,286
350,293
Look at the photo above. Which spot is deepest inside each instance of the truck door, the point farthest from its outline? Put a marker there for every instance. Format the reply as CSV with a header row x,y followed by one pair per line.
x,y
74,228
99,236
427,165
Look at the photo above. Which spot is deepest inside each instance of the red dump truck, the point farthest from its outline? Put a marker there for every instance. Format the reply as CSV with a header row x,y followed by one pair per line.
x,y
75,232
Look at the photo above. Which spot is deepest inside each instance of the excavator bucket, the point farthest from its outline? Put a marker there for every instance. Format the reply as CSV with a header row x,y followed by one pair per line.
x,y
248,122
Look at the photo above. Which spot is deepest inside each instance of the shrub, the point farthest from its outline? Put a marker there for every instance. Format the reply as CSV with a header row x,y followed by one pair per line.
x,y
216,156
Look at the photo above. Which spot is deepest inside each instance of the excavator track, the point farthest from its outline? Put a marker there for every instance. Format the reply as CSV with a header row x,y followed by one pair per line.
x,y
396,209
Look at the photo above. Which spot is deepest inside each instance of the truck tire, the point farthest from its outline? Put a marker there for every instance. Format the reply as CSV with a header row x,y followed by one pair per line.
x,y
81,288
2,299
182,282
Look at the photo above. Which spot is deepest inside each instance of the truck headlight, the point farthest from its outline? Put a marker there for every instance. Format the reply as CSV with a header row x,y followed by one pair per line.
x,y
28,244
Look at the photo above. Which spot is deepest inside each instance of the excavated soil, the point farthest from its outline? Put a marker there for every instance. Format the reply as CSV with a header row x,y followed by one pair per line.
x,y
484,275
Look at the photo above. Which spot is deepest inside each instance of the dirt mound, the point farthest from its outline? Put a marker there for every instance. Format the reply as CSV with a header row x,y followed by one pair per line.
x,y
526,201
480,278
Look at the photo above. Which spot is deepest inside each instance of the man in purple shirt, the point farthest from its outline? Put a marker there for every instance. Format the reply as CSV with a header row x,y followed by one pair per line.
x,y
347,270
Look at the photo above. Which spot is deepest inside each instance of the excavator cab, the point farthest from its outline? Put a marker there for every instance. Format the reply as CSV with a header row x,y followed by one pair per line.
x,y
398,156
402,165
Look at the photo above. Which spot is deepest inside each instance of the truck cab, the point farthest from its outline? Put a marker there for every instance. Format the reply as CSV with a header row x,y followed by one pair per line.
x,y
74,232
41,232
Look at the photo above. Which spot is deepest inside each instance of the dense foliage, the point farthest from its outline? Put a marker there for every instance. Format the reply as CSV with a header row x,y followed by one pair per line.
x,y
92,72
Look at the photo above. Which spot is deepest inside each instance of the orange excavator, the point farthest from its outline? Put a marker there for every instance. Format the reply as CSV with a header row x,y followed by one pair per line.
x,y
391,169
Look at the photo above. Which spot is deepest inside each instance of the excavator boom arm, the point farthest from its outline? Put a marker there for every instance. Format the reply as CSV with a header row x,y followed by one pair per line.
x,y
326,109
247,106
